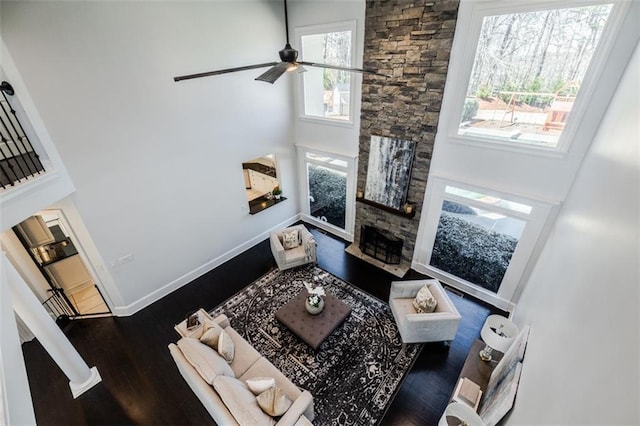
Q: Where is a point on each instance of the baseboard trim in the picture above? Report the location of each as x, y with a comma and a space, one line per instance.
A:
143, 302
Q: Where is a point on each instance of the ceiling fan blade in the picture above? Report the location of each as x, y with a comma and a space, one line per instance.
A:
224, 71
335, 67
274, 73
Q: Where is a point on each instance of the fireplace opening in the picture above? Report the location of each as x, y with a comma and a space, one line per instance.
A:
380, 245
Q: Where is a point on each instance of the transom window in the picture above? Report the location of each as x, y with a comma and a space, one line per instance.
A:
327, 94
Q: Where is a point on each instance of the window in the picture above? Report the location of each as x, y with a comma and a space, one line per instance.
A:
476, 243
528, 72
329, 180
479, 240
327, 94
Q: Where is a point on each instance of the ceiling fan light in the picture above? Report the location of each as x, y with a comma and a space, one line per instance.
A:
292, 67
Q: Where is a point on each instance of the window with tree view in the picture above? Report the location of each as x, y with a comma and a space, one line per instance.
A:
527, 71
327, 92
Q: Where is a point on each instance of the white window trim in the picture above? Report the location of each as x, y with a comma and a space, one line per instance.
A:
350, 210
463, 55
538, 224
322, 29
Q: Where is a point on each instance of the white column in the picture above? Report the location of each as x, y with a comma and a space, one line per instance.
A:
35, 316
15, 396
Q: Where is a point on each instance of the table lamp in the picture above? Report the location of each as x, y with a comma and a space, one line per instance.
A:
498, 333
462, 412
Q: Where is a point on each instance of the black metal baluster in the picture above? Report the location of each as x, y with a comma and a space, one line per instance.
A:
11, 167
24, 138
18, 138
11, 151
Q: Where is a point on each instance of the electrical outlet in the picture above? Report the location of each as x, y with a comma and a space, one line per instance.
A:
121, 260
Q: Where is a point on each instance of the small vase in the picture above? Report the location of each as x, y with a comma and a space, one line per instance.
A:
314, 310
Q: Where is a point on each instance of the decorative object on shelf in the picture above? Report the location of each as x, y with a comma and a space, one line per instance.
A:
277, 192
498, 333
467, 392
389, 171
314, 304
463, 413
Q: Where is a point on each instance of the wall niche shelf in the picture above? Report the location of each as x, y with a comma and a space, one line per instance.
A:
399, 212
263, 203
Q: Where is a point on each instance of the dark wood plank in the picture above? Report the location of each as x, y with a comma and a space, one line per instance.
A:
141, 384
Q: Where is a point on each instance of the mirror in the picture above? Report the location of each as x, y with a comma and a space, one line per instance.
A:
261, 183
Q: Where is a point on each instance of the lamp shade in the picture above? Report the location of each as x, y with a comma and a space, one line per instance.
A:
463, 413
498, 332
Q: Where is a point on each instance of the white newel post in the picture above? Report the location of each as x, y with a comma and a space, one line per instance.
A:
35, 316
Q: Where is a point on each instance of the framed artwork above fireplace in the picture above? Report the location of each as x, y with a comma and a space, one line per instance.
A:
389, 171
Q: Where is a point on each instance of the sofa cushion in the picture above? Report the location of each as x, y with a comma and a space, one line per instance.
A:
257, 385
206, 361
424, 302
295, 254
225, 346
274, 402
240, 402
290, 239
245, 354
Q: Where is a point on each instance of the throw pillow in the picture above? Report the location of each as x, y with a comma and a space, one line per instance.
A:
240, 402
257, 385
225, 346
425, 302
274, 402
290, 239
207, 362
211, 335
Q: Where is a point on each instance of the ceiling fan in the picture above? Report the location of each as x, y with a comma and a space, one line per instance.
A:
288, 62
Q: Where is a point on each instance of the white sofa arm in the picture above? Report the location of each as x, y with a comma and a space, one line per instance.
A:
302, 405
276, 248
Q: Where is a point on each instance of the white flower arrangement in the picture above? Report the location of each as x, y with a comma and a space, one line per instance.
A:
315, 294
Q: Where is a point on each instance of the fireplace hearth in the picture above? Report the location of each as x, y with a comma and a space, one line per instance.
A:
380, 245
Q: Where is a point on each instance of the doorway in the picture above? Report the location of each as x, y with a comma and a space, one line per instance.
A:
52, 246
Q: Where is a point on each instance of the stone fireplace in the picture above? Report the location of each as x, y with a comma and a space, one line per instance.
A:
411, 42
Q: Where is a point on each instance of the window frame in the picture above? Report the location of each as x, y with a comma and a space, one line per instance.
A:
463, 59
537, 225
351, 168
299, 32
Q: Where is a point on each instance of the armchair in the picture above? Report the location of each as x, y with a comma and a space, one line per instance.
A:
304, 253
440, 325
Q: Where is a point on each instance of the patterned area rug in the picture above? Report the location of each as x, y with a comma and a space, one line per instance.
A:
355, 373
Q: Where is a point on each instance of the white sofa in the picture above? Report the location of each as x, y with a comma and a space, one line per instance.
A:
289, 258
247, 363
414, 327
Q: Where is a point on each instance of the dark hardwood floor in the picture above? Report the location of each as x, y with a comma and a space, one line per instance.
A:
141, 384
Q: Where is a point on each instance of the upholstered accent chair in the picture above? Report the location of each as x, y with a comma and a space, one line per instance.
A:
293, 246
437, 326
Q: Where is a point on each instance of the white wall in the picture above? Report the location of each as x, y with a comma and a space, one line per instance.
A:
157, 164
581, 365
